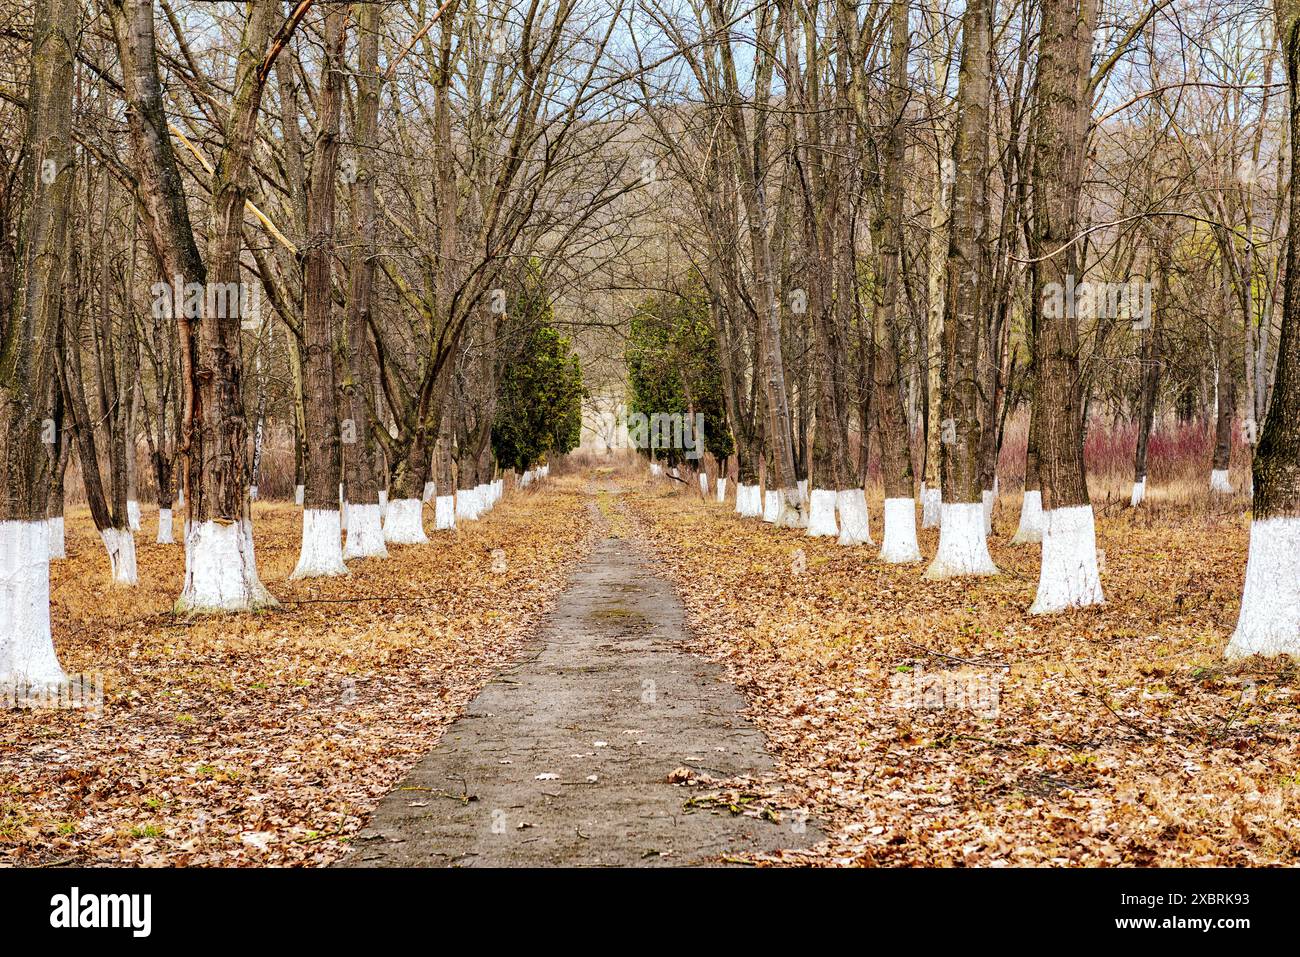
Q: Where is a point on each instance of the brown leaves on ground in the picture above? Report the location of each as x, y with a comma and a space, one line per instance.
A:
1118, 735
267, 738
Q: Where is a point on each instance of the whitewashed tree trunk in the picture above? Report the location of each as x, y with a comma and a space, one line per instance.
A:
821, 514
1069, 577
365, 538
27, 659
467, 504
1139, 493
404, 522
771, 505
321, 554
120, 545
963, 547
221, 569
58, 548
1269, 622
1030, 529
855, 520
1219, 483
444, 513
133, 514
165, 527
931, 506
722, 488
899, 545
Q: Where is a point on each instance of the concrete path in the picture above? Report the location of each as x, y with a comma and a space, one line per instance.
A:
565, 759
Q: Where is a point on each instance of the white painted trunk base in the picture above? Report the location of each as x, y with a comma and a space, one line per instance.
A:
58, 549
27, 659
855, 520
1139, 494
467, 504
899, 545
1030, 529
483, 493
722, 488
252, 493
383, 500
299, 494
789, 514
749, 501
988, 498
1219, 482
821, 513
120, 545
771, 505
133, 514
429, 491
1269, 622
1069, 577
963, 547
444, 513
365, 538
655, 470
221, 570
165, 527
704, 484
803, 489
404, 522
322, 544
931, 506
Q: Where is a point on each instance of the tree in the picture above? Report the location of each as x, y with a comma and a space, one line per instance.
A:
963, 547
221, 567
1269, 622
322, 533
27, 658
365, 532
674, 369
539, 387
1069, 577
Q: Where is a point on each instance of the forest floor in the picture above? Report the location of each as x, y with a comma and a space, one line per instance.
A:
938, 723
911, 722
267, 739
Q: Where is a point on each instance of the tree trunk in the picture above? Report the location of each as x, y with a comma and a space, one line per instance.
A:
322, 534
27, 658
1269, 623
1225, 391
1069, 576
365, 536
899, 543
963, 547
